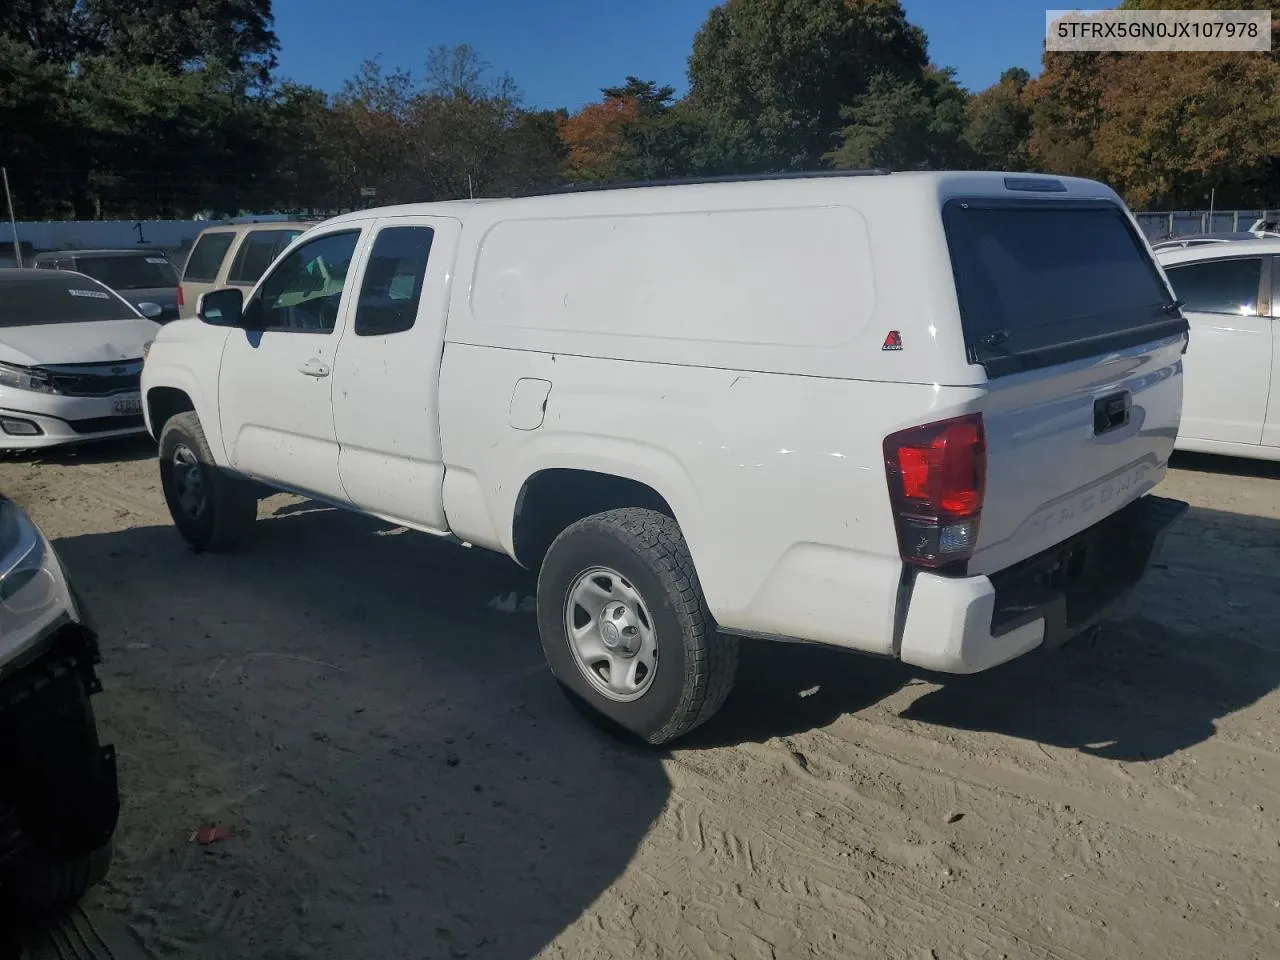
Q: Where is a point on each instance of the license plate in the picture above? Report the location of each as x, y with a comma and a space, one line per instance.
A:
129, 405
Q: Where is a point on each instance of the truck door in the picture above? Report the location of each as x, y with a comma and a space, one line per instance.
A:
386, 377
274, 388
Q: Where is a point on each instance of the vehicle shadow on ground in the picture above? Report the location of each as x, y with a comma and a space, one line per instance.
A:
1228, 466
399, 774
1155, 682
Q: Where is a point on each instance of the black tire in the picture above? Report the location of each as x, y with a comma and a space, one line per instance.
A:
697, 665
230, 504
44, 883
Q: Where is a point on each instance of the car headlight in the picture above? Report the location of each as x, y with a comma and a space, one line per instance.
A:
146, 348
25, 378
34, 594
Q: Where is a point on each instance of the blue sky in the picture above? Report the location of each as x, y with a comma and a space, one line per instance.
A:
560, 52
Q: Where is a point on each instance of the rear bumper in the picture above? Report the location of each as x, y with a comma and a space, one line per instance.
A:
969, 624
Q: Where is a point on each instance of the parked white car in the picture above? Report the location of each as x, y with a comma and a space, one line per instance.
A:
1230, 294
1202, 239
916, 415
70, 359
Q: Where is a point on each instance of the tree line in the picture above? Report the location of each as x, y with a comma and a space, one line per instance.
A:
139, 108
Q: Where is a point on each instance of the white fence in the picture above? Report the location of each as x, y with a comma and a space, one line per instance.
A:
171, 237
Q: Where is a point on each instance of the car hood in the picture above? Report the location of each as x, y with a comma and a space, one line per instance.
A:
100, 341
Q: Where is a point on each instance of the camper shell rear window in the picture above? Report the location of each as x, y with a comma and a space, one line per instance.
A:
1042, 282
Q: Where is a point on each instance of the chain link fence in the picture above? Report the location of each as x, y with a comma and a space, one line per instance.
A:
1158, 225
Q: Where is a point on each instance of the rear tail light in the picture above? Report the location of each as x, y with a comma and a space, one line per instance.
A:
181, 302
937, 477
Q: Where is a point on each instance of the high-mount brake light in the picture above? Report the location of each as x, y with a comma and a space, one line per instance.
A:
937, 476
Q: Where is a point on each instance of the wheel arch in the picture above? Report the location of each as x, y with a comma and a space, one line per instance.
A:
164, 403
553, 498
171, 389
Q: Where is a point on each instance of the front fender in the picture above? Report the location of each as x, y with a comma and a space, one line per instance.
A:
175, 377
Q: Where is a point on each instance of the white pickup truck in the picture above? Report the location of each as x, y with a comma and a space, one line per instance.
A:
914, 415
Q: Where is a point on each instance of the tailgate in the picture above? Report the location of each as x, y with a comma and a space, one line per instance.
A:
1067, 449
1081, 342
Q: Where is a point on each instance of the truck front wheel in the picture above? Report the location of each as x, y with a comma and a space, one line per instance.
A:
625, 627
212, 509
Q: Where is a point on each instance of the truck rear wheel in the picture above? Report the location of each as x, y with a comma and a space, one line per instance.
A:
625, 627
212, 509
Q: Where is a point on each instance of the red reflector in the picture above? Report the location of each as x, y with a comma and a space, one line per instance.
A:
181, 302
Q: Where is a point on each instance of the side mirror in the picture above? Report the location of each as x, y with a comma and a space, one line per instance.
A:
151, 311
221, 308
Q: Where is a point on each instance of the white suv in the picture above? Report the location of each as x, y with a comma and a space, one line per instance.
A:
915, 415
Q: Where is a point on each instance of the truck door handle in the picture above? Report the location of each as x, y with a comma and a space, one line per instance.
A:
314, 368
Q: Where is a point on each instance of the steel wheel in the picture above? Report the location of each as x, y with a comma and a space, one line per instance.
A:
611, 634
188, 479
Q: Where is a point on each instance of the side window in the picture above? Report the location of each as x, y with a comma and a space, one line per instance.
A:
206, 257
393, 281
1218, 286
259, 248
302, 294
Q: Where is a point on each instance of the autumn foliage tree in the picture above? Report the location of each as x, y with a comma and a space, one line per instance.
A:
596, 137
1163, 128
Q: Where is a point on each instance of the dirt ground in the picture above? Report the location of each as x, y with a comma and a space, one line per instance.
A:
401, 778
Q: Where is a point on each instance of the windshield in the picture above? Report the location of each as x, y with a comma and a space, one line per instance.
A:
1041, 279
58, 298
130, 272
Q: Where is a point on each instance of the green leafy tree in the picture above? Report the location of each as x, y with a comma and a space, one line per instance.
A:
132, 122
786, 69
54, 31
232, 35
906, 125
297, 133
462, 127
684, 141
651, 100
34, 141
998, 123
